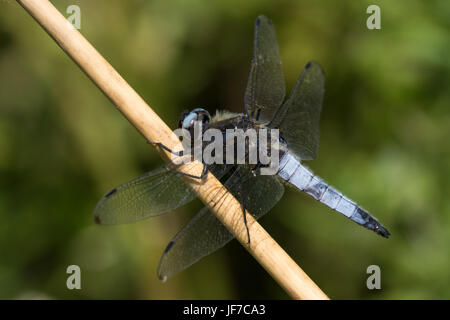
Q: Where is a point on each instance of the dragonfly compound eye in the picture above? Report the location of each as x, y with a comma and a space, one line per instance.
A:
180, 122
197, 114
189, 119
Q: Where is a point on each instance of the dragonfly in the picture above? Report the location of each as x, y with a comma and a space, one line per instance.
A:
297, 119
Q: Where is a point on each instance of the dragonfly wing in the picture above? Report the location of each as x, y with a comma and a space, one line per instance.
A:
205, 234
299, 116
152, 194
265, 85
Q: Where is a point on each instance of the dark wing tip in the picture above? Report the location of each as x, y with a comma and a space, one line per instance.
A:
97, 219
262, 19
315, 64
161, 275
111, 193
169, 246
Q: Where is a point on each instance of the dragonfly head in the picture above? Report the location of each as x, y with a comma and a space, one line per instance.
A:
188, 120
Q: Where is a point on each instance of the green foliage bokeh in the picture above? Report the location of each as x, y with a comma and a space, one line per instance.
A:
384, 131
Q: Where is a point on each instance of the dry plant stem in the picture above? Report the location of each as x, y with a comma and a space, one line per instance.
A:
262, 247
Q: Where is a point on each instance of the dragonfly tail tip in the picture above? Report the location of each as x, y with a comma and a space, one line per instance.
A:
382, 231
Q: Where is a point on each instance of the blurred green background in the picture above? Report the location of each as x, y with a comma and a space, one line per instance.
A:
385, 132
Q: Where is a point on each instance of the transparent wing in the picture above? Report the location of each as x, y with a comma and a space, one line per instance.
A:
265, 85
299, 116
152, 194
205, 234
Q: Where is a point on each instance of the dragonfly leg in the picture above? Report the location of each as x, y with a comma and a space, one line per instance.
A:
244, 213
245, 222
201, 177
257, 166
159, 144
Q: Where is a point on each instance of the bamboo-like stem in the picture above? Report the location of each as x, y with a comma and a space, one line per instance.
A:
262, 247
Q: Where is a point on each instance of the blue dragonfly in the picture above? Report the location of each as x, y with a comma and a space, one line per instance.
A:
297, 118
